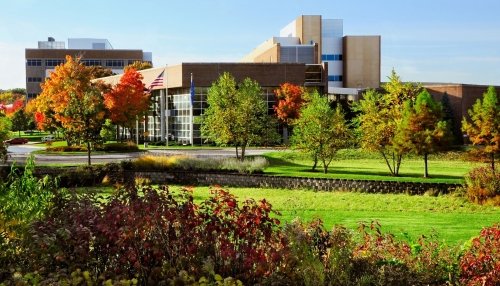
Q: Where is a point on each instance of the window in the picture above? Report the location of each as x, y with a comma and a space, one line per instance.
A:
34, 62
53, 62
331, 57
92, 62
114, 63
34, 79
335, 78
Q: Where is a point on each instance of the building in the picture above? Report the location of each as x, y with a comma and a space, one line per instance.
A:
461, 97
310, 51
41, 62
173, 115
353, 61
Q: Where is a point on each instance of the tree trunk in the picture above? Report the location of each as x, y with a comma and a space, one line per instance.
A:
426, 172
88, 153
243, 152
388, 163
493, 162
315, 158
237, 155
285, 135
325, 167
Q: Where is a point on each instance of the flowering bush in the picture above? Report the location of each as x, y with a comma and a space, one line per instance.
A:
480, 265
483, 186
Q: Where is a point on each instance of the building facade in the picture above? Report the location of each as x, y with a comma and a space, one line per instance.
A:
353, 61
174, 117
42, 61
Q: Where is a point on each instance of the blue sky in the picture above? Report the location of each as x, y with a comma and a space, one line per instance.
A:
424, 41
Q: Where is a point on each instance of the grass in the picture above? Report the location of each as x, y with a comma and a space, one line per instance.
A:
453, 219
368, 166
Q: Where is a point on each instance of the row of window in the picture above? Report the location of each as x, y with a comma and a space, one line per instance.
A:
335, 78
87, 62
331, 57
34, 79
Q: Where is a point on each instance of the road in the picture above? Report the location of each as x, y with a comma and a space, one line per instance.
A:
19, 153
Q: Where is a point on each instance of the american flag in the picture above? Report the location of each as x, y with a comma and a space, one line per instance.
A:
157, 82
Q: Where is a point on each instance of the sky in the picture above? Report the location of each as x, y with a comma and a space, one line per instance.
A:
423, 41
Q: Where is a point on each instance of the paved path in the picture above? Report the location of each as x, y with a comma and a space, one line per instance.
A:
19, 153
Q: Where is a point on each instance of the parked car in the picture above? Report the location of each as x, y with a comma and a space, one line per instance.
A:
14, 141
48, 138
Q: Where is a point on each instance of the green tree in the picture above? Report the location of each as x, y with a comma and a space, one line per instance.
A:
20, 121
423, 130
108, 131
5, 126
379, 117
484, 127
236, 115
320, 131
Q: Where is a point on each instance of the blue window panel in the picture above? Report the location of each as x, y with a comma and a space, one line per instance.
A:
335, 57
334, 78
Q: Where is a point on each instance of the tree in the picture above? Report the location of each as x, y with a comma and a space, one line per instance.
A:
236, 115
108, 131
138, 65
4, 135
379, 117
127, 101
73, 101
20, 121
320, 131
289, 100
423, 130
100, 71
484, 127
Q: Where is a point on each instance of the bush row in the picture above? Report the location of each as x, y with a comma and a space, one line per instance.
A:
109, 147
187, 163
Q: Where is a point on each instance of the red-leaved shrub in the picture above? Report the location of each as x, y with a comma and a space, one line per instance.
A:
483, 185
480, 265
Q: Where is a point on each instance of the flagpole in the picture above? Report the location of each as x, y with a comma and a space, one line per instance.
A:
191, 97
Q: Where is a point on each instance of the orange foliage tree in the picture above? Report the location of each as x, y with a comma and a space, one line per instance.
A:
71, 100
128, 100
289, 100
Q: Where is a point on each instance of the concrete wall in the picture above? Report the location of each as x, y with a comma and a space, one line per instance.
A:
362, 61
271, 55
309, 30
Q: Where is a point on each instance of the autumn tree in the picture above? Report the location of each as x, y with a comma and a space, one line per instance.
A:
128, 100
100, 71
236, 115
423, 130
289, 100
379, 117
483, 128
138, 65
320, 131
72, 100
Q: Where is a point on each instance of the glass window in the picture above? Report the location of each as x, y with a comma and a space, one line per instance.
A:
114, 63
53, 62
34, 62
91, 62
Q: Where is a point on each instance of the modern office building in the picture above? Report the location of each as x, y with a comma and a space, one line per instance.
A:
173, 115
353, 61
41, 62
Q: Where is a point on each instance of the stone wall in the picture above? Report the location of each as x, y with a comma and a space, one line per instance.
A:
264, 181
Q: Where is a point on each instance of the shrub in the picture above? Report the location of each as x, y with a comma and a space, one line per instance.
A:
186, 163
480, 265
93, 175
120, 147
483, 185
153, 234
74, 148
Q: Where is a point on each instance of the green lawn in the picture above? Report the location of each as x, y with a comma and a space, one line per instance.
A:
453, 219
368, 166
